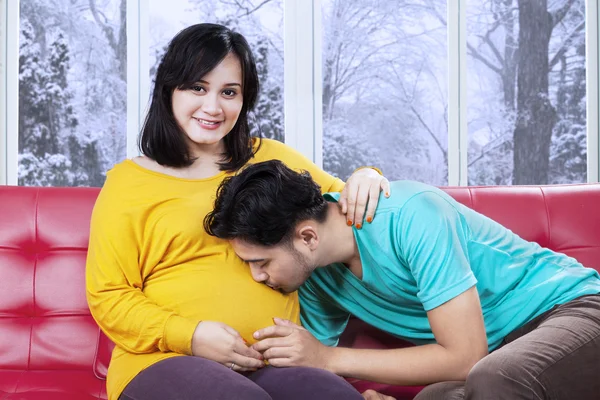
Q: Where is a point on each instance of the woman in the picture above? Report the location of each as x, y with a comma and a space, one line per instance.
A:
179, 304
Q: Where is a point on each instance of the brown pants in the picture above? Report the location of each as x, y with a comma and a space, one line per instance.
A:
556, 356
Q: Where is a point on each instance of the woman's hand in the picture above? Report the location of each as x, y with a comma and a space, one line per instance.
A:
362, 189
221, 343
373, 395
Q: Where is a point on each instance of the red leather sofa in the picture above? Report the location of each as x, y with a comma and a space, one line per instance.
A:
51, 348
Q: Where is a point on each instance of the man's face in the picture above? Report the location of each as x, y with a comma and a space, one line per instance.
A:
281, 267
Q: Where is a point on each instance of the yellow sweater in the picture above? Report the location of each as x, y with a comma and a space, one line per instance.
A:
153, 273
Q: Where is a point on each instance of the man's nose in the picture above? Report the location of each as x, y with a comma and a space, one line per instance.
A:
258, 275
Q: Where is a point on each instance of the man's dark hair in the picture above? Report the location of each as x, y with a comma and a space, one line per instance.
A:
194, 52
264, 203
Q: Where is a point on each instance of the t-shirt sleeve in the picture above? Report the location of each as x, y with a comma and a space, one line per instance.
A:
322, 318
114, 286
433, 240
274, 150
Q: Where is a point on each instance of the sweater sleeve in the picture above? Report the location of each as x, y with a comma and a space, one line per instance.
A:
297, 161
114, 285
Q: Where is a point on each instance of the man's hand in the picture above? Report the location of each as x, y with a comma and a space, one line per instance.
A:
373, 395
286, 344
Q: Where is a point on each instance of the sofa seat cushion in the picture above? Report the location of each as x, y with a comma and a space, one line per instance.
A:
51, 385
360, 335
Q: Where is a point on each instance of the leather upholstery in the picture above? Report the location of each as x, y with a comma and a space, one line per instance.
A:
50, 347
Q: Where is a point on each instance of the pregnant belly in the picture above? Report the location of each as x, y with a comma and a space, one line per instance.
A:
226, 294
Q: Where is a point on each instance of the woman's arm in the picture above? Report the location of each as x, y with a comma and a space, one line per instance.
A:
114, 284
114, 287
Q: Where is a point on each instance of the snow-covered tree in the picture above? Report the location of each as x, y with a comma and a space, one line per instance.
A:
72, 91
533, 54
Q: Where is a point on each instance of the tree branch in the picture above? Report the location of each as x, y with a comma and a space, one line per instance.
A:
473, 52
486, 152
416, 113
487, 39
249, 10
565, 45
560, 14
105, 28
428, 129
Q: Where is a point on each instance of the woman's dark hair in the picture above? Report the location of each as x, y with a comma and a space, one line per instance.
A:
264, 203
194, 52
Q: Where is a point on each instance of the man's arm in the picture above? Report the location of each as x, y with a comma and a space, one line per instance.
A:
432, 238
461, 342
457, 326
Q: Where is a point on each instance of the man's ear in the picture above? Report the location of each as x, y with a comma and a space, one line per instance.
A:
308, 235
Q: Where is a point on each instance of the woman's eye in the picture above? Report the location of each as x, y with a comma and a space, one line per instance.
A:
197, 88
229, 92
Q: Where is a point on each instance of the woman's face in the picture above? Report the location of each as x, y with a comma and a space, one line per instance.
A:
210, 108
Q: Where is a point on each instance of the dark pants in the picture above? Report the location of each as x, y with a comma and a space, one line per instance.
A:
556, 356
196, 378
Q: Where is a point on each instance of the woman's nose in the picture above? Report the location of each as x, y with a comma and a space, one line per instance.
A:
211, 104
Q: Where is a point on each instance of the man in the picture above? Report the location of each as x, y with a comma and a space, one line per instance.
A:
427, 269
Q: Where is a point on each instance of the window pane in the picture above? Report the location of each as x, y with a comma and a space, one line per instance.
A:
385, 88
526, 89
261, 23
72, 91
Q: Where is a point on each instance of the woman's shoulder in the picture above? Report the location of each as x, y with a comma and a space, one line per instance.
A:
126, 182
269, 149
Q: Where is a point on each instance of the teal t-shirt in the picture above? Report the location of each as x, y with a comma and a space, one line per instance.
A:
424, 248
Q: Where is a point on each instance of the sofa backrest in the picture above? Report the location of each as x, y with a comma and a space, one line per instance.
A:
44, 319
563, 218
45, 322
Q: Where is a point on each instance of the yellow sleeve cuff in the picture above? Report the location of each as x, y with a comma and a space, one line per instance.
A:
178, 335
369, 166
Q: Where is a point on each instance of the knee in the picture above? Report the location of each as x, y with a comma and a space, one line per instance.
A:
451, 390
328, 384
491, 376
309, 374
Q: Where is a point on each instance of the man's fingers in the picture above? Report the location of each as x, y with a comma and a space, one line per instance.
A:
246, 362
273, 331
280, 362
369, 394
373, 395
269, 343
246, 351
246, 357
278, 352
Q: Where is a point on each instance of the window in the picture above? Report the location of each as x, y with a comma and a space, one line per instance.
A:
440, 91
261, 23
384, 88
72, 91
526, 92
